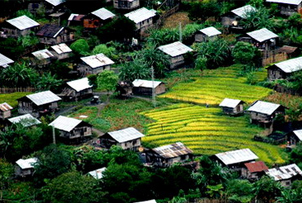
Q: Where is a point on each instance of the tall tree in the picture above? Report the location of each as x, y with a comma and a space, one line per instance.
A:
107, 80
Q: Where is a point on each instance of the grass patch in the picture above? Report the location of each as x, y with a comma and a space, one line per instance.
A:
173, 20
11, 98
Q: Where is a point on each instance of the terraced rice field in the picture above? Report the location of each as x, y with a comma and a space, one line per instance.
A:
207, 131
215, 85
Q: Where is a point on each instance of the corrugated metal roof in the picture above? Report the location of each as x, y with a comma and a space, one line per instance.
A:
148, 201
172, 150
236, 156
75, 17
25, 120
232, 103
65, 123
80, 84
264, 107
42, 54
140, 14
242, 11
45, 97
210, 31
175, 49
4, 61
145, 83
126, 134
256, 166
98, 60
61, 48
103, 13
262, 35
284, 172
27, 163
50, 30
292, 2
5, 107
98, 173
55, 2
298, 133
23, 22
291, 65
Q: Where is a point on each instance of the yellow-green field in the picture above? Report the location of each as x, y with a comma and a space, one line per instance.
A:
207, 131
11, 98
214, 85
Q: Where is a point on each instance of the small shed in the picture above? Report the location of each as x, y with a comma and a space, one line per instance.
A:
232, 106
285, 174
128, 138
176, 51
98, 173
38, 104
49, 6
42, 58
294, 137
287, 7
206, 34
263, 39
51, 34
75, 19
145, 87
142, 17
61, 51
5, 111
168, 155
254, 170
77, 90
19, 26
290, 51
236, 159
126, 4
5, 61
25, 120
97, 18
25, 167
95, 64
284, 69
71, 129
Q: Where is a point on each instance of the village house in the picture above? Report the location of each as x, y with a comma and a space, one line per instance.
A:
25, 167
5, 111
97, 18
94, 64
294, 137
147, 201
290, 51
232, 106
38, 104
25, 120
46, 6
75, 19
236, 159
176, 51
142, 17
285, 174
232, 19
61, 51
125, 4
19, 26
5, 61
168, 155
287, 7
253, 171
98, 173
128, 138
263, 39
284, 69
77, 90
145, 87
71, 129
51, 34
206, 34
42, 58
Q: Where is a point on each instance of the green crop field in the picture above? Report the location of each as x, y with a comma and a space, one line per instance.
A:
214, 85
207, 131
11, 98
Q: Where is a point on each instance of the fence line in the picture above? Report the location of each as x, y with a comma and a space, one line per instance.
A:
4, 90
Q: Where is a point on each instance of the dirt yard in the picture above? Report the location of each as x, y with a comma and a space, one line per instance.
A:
173, 20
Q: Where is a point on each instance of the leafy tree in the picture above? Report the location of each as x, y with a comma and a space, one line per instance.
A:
6, 172
49, 82
108, 51
239, 190
60, 69
258, 19
162, 37
80, 47
72, 187
203, 10
11, 48
24, 12
215, 191
244, 52
267, 189
289, 195
135, 69
296, 154
107, 80
28, 40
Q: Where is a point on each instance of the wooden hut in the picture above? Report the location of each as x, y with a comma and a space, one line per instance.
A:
51, 34
75, 19
176, 52
61, 51
144, 87
232, 106
49, 6
126, 4
38, 104
206, 34
142, 17
294, 137
77, 90
25, 167
42, 58
284, 69
263, 39
5, 61
97, 18
287, 7
5, 111
253, 170
128, 138
94, 64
